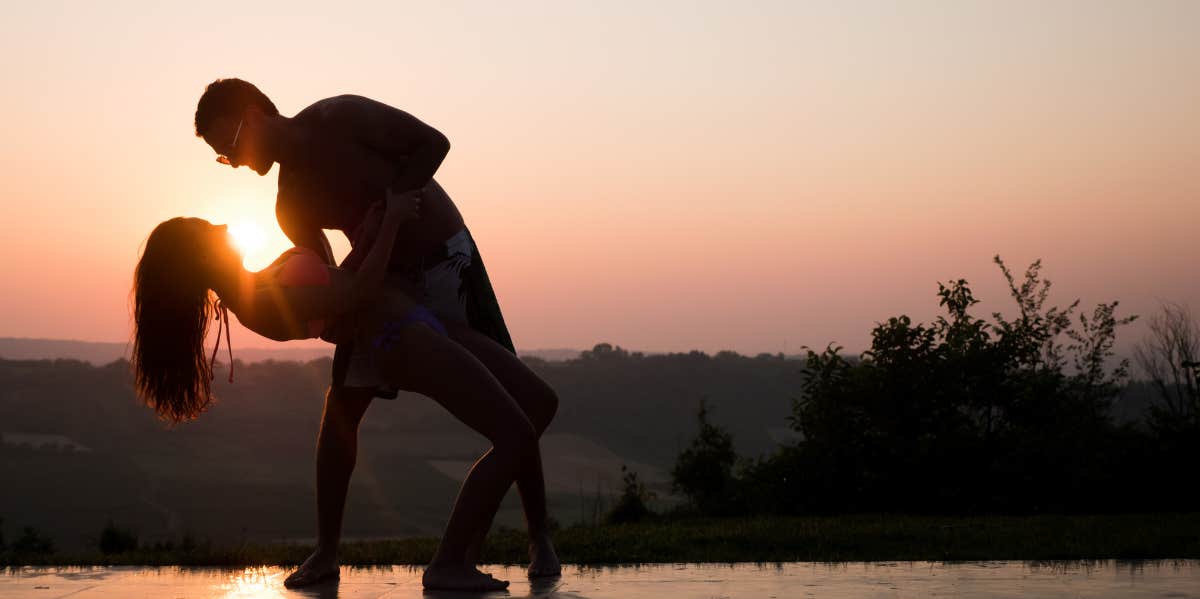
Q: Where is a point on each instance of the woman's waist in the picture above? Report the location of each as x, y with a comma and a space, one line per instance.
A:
393, 305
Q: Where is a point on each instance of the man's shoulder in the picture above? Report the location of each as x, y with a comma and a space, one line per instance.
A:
337, 107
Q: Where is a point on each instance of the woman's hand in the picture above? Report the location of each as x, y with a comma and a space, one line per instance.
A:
403, 206
399, 207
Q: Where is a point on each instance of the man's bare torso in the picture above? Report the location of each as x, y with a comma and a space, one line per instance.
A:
336, 179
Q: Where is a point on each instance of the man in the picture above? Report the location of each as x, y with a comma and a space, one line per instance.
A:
336, 159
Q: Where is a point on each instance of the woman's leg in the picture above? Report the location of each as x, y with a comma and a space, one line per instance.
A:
428, 363
458, 291
539, 402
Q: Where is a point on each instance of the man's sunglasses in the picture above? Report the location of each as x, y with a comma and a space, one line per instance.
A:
224, 159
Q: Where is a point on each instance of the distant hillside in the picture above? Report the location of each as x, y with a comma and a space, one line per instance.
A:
101, 353
77, 449
551, 355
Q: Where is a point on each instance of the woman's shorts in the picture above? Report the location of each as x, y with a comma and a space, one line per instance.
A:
456, 289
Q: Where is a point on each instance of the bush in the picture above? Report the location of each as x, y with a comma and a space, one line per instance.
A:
703, 473
963, 415
631, 505
114, 540
31, 542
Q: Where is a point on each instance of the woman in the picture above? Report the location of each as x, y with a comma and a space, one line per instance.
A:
298, 296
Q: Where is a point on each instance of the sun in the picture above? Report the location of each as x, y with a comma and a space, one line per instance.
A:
248, 237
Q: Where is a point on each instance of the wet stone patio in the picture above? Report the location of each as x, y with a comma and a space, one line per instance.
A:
872, 579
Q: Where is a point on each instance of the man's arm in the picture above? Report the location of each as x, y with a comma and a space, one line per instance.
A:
416, 149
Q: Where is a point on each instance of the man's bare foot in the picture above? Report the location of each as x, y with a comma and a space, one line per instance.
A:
457, 577
319, 567
473, 552
543, 561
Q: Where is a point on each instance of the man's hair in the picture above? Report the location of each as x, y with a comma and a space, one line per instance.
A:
229, 98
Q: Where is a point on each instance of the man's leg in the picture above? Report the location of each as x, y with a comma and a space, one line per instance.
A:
337, 450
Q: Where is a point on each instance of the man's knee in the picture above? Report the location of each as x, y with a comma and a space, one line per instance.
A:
347, 405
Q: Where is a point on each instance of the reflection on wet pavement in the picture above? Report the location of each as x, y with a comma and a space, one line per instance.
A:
874, 579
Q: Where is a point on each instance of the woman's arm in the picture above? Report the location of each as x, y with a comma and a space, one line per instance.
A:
369, 279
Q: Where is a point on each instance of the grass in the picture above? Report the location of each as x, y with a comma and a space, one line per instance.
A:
881, 537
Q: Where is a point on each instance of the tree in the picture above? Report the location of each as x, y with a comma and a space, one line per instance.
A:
703, 473
1168, 357
604, 351
32, 542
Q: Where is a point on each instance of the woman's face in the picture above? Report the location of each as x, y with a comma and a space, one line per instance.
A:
215, 244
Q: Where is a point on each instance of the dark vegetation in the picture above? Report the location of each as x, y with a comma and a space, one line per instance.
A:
973, 416
630, 506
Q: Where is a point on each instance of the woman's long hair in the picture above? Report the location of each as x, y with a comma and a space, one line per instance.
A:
171, 314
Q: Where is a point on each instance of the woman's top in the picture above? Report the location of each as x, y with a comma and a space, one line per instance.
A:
293, 298
285, 303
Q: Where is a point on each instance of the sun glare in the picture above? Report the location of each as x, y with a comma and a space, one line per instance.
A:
248, 238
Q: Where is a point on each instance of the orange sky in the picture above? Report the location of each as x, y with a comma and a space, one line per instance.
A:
668, 176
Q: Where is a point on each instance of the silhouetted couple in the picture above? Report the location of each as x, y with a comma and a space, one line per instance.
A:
411, 308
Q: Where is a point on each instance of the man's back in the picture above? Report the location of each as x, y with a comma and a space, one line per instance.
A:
340, 169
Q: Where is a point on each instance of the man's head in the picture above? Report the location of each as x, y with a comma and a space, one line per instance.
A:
230, 117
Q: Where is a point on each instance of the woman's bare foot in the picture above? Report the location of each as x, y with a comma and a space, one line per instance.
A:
457, 577
543, 561
320, 567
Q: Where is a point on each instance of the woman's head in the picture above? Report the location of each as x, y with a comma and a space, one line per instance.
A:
171, 312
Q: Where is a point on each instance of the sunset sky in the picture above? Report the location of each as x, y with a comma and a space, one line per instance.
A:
665, 176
